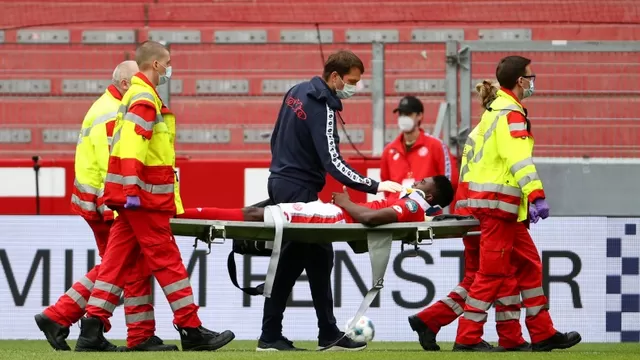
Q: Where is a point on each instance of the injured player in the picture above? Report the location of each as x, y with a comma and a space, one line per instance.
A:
423, 198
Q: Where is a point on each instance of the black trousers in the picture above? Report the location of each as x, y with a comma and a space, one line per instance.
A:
316, 259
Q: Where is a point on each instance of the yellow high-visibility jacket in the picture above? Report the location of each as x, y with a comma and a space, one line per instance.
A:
142, 160
497, 169
92, 157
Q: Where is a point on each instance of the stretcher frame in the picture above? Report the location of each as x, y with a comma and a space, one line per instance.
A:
378, 239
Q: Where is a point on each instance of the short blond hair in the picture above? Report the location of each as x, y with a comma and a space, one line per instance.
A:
148, 52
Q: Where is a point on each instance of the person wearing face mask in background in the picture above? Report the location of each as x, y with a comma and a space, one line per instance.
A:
504, 192
415, 154
304, 148
142, 186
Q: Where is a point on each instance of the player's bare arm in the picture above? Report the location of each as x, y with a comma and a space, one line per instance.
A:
364, 215
254, 214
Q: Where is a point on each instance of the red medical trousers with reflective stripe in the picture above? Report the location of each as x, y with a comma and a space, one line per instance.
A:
70, 307
529, 276
145, 232
496, 282
446, 310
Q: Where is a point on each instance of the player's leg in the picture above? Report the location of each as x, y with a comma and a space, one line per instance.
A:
214, 213
138, 310
428, 322
119, 256
161, 253
496, 242
544, 337
55, 320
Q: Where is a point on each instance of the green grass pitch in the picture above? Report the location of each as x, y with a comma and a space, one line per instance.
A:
40, 350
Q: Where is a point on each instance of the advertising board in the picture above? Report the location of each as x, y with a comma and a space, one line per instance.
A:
590, 276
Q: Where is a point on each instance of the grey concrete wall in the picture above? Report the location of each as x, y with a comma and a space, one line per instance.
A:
596, 187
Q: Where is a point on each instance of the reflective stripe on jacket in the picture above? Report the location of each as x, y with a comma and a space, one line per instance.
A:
92, 157
497, 169
142, 157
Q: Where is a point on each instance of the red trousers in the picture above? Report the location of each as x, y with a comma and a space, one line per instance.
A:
509, 266
143, 236
446, 310
70, 307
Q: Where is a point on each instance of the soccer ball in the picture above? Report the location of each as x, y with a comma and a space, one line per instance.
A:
363, 330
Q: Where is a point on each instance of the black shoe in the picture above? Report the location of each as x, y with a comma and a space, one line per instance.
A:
55, 333
482, 346
202, 339
282, 344
342, 343
522, 347
426, 337
558, 341
484, 343
153, 343
92, 336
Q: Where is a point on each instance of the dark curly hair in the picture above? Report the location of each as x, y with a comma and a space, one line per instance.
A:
443, 195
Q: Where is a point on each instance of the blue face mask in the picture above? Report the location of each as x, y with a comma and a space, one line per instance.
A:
167, 75
528, 92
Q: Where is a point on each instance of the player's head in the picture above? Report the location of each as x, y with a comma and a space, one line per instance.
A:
437, 190
410, 111
514, 73
154, 60
487, 92
122, 75
342, 71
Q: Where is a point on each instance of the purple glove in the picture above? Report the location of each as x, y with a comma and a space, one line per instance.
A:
542, 208
533, 214
132, 202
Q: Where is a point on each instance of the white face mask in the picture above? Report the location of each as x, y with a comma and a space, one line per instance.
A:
347, 91
405, 123
167, 75
528, 92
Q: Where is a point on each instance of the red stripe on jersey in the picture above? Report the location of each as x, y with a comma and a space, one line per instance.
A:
300, 218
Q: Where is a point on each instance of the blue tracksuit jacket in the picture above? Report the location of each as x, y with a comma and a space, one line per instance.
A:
305, 141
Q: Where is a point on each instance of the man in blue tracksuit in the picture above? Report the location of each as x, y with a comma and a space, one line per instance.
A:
304, 147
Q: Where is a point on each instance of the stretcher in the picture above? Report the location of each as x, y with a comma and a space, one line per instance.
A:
374, 240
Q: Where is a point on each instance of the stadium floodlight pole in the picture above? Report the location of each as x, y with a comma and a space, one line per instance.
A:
377, 98
36, 169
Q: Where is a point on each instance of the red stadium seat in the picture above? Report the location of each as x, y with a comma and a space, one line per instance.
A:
561, 126
593, 110
229, 110
546, 84
64, 58
388, 12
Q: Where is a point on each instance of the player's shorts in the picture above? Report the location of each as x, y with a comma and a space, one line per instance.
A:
315, 212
